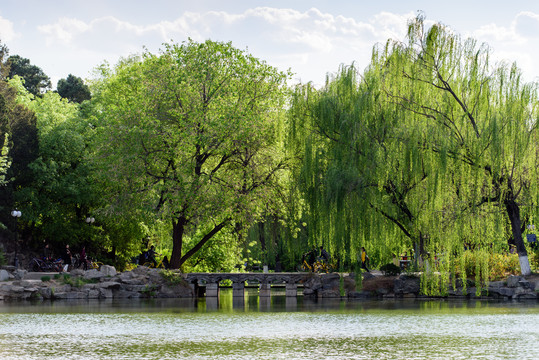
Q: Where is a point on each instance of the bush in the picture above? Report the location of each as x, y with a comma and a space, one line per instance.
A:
173, 277
499, 265
534, 257
45, 278
502, 266
390, 269
77, 281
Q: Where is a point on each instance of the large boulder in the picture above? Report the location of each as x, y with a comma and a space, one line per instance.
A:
513, 281
176, 291
330, 286
4, 275
107, 270
349, 283
20, 274
406, 285
93, 274
311, 285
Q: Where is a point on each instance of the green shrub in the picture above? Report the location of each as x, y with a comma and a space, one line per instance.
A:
534, 258
2, 258
390, 269
149, 291
483, 265
77, 281
45, 278
503, 265
173, 277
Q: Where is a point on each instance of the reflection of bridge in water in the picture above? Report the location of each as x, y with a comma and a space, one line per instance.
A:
208, 283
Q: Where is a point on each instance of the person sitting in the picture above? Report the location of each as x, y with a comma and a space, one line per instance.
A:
150, 256
395, 260
324, 255
47, 253
404, 261
311, 257
166, 263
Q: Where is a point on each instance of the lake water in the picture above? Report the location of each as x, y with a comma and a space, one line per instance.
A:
276, 328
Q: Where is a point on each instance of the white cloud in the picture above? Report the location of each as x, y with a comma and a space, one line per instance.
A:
526, 24
493, 33
516, 42
312, 29
389, 25
7, 31
309, 42
524, 27
64, 30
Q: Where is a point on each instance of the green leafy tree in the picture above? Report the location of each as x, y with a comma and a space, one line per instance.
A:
430, 141
35, 80
18, 136
61, 186
73, 89
19, 123
480, 120
191, 135
364, 183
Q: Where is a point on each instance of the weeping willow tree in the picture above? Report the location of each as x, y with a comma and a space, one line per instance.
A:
363, 175
431, 146
479, 119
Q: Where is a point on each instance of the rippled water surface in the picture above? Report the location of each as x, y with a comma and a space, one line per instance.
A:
279, 328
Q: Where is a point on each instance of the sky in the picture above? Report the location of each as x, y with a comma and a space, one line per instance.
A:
311, 38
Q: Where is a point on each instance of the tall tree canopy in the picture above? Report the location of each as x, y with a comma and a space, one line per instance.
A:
432, 141
480, 119
363, 181
35, 80
18, 141
73, 89
61, 186
192, 134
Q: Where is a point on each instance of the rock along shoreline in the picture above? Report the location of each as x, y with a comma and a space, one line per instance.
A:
143, 282
105, 283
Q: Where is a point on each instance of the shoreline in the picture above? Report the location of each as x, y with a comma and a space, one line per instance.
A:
143, 282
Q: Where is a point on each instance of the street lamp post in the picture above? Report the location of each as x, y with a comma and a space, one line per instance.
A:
16, 214
89, 220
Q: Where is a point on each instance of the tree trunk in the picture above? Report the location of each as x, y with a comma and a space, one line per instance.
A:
201, 243
261, 235
513, 212
178, 228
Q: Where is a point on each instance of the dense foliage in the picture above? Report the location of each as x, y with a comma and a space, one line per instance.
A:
74, 89
430, 149
191, 137
204, 151
35, 80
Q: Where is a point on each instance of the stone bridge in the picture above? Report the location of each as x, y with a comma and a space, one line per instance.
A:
210, 281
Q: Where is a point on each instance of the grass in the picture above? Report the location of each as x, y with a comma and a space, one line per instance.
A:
172, 278
76, 281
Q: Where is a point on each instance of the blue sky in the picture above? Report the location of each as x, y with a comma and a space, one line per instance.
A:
312, 38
